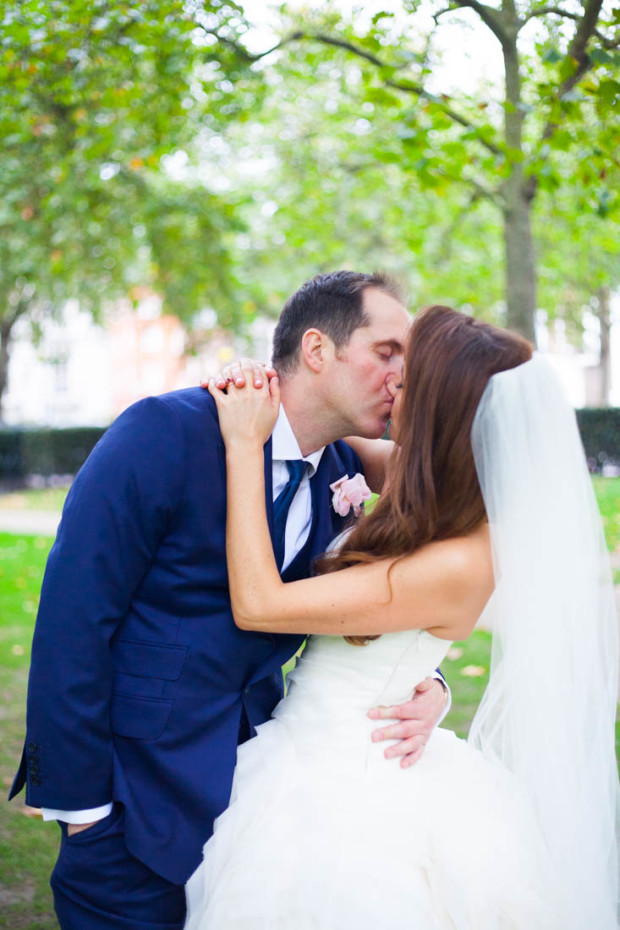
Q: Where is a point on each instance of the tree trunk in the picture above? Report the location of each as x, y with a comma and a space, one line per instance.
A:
518, 193
604, 316
520, 263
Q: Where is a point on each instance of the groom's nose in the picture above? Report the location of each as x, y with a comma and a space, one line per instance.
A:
397, 363
390, 383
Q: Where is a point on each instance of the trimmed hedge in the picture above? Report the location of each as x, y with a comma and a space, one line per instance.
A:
45, 452
48, 452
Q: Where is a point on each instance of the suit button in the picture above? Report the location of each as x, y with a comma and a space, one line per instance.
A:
33, 768
32, 747
35, 780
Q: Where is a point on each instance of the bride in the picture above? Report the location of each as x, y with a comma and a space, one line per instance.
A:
488, 511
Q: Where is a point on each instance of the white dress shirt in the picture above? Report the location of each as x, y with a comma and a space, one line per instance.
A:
286, 448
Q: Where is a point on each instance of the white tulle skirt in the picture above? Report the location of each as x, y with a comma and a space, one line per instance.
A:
314, 839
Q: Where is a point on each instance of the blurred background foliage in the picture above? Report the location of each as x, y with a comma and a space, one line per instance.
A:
221, 153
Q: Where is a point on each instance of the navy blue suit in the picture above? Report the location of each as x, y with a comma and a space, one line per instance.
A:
140, 681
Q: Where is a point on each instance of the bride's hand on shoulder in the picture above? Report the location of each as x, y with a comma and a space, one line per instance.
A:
247, 413
236, 373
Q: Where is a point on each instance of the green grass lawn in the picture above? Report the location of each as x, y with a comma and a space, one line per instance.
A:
607, 492
34, 499
28, 846
608, 495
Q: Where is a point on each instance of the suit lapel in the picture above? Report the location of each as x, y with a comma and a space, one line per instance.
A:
325, 521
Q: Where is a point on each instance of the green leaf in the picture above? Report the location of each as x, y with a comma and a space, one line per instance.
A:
600, 56
380, 15
608, 92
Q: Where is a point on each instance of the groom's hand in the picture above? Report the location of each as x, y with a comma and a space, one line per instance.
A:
417, 719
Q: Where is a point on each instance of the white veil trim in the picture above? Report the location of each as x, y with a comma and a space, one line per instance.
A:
549, 710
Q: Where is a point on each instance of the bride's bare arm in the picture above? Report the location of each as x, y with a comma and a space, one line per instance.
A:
442, 587
375, 455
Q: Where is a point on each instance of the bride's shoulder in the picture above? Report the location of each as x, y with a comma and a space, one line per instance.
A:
458, 580
467, 556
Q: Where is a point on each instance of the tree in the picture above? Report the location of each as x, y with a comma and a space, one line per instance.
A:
559, 90
320, 187
93, 97
580, 262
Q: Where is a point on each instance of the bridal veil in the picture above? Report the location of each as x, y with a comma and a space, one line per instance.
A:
548, 712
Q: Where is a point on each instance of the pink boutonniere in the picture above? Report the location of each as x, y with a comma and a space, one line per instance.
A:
349, 492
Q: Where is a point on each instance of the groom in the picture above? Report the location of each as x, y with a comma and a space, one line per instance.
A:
141, 685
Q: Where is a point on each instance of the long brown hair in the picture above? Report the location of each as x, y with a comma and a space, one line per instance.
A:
432, 487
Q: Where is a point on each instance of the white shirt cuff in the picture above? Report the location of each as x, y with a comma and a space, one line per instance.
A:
449, 696
87, 816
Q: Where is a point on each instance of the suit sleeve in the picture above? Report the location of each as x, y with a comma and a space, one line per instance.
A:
117, 512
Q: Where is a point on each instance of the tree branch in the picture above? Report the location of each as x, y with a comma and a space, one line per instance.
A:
554, 10
489, 16
558, 11
405, 86
243, 52
607, 44
480, 191
447, 9
577, 48
576, 52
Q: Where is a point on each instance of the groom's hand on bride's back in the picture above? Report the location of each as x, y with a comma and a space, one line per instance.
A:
415, 721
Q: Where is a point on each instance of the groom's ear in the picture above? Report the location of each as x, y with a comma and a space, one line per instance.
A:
316, 349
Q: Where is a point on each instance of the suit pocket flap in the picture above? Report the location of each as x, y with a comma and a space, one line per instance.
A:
138, 717
148, 660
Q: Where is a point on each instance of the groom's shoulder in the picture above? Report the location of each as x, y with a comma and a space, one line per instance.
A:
191, 404
190, 407
174, 421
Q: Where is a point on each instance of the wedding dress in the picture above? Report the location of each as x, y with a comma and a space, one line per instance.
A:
324, 832
512, 830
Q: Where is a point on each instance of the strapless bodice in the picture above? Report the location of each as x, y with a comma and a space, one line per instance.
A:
335, 684
353, 678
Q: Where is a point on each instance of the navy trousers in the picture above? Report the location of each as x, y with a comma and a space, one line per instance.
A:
99, 885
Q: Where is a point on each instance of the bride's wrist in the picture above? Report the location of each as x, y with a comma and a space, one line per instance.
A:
245, 446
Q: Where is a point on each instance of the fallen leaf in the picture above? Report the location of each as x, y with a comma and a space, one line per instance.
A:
473, 671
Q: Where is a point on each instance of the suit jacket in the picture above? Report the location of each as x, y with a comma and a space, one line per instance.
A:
140, 681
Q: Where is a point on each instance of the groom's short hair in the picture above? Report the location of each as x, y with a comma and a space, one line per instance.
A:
332, 303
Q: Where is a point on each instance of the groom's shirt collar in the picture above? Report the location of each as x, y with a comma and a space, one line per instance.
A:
286, 448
